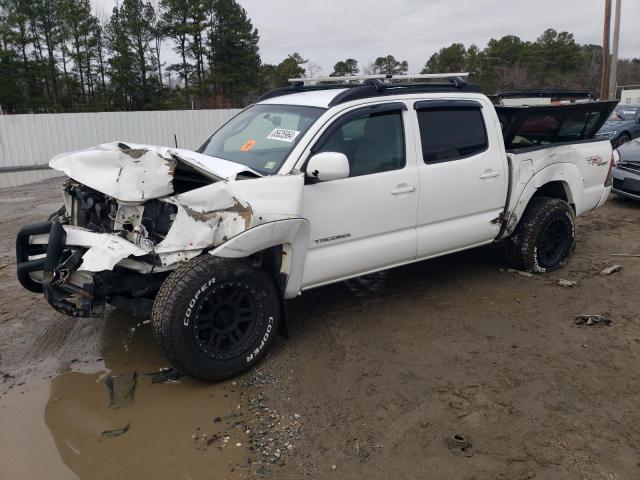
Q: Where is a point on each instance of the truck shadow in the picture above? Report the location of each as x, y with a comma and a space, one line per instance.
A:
401, 282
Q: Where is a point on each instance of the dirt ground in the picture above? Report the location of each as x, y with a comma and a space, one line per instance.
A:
379, 371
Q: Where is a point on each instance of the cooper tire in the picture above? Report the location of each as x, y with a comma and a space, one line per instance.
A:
544, 238
215, 318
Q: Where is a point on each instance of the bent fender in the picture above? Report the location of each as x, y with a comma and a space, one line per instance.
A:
293, 233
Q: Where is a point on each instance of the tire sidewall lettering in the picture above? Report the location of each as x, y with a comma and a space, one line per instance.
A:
192, 303
572, 223
265, 339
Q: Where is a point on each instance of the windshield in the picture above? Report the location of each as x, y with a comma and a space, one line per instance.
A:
621, 114
262, 136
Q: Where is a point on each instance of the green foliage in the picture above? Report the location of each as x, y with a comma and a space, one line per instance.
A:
275, 76
10, 92
389, 65
235, 60
447, 60
175, 26
345, 68
55, 55
554, 60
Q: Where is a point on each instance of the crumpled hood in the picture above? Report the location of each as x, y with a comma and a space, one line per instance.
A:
135, 172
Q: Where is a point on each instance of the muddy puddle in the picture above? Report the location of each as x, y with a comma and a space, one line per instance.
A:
120, 416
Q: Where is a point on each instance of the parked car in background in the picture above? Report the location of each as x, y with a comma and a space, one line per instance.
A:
626, 174
622, 126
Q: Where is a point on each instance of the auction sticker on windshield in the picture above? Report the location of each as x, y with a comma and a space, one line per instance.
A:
283, 135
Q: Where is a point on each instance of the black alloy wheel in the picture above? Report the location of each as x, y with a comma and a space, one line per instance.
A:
225, 319
554, 242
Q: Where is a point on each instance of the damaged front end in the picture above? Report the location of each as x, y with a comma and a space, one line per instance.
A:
70, 290
131, 214
84, 256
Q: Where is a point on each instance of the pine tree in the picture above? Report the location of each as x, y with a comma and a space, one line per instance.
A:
78, 17
233, 44
345, 68
121, 70
137, 23
175, 19
448, 59
390, 66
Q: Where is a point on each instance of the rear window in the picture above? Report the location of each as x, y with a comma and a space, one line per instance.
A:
449, 134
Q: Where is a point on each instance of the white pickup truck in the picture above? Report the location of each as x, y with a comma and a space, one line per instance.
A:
313, 184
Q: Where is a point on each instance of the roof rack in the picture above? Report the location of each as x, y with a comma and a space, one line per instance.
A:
389, 77
375, 85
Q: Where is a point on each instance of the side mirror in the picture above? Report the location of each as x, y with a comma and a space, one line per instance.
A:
327, 166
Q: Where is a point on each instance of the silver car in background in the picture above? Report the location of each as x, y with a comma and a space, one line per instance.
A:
626, 174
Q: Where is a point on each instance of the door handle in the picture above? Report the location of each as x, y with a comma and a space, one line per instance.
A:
489, 174
400, 190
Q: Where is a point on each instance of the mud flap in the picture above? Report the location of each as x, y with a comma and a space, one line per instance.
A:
283, 328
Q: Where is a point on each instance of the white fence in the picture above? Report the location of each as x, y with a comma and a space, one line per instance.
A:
27, 142
630, 97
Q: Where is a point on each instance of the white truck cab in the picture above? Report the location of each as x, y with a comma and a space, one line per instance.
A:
313, 184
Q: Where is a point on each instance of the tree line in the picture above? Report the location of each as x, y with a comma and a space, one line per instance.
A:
57, 55
554, 60
60, 56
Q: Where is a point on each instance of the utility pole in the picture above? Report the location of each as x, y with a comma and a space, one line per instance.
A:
613, 82
604, 81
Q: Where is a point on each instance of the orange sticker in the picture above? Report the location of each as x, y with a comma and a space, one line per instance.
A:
247, 146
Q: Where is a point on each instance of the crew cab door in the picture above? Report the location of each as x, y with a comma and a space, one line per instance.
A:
462, 169
367, 221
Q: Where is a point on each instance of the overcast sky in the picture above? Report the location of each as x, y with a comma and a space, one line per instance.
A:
325, 31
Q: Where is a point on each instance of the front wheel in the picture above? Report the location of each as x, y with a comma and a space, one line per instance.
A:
544, 238
214, 318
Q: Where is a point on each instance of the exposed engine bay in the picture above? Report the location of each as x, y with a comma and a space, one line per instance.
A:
143, 224
68, 288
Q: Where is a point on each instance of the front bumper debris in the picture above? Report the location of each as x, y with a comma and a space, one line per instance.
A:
51, 269
51, 259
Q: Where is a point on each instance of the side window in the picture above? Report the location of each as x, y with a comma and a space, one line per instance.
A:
451, 133
373, 142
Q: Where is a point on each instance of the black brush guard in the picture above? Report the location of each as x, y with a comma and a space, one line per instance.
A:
24, 250
56, 266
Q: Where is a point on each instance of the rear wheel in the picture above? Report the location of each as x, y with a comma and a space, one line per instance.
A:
545, 236
215, 318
